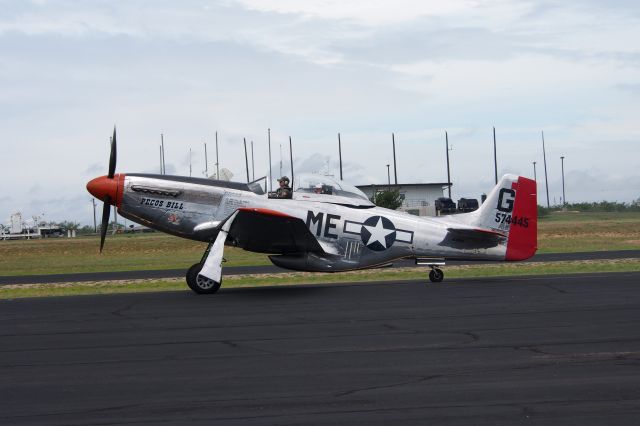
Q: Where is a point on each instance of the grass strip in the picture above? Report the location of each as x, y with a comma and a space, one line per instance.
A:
557, 233
258, 280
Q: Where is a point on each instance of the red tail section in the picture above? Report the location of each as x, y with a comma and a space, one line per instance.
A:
523, 233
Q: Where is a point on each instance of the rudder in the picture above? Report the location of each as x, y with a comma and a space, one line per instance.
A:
511, 208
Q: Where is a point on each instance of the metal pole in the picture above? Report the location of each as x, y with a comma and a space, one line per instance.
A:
340, 154
270, 175
564, 199
495, 156
190, 168
246, 158
395, 170
535, 177
280, 159
164, 170
115, 220
388, 178
446, 136
217, 159
253, 166
206, 162
160, 158
291, 159
95, 223
546, 180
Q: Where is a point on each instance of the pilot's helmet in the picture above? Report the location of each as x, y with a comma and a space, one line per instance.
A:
284, 179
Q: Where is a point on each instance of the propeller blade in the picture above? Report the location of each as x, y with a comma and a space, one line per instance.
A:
106, 211
112, 157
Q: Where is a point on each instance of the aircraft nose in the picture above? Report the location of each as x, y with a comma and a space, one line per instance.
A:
105, 189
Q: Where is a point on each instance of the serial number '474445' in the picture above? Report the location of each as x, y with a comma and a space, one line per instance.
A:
515, 220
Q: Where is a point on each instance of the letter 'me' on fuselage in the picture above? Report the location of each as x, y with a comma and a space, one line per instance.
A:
313, 219
318, 219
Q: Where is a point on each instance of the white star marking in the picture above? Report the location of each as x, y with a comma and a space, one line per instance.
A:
378, 233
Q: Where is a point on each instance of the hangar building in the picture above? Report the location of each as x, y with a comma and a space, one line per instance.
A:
418, 198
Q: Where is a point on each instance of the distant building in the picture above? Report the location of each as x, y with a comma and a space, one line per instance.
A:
417, 198
20, 229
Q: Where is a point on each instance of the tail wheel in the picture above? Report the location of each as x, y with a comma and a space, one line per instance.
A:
436, 275
199, 283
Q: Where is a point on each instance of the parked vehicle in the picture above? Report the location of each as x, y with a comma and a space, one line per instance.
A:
445, 205
467, 205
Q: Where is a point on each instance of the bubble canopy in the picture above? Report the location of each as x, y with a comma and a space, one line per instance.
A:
309, 183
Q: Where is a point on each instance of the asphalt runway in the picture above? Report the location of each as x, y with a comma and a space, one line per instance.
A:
529, 350
270, 269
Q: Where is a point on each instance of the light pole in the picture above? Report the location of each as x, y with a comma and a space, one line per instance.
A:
546, 179
446, 138
495, 155
564, 200
388, 177
95, 224
395, 167
535, 177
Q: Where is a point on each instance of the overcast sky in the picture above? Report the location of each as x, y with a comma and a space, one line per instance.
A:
70, 70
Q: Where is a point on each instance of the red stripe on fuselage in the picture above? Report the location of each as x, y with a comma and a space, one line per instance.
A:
267, 212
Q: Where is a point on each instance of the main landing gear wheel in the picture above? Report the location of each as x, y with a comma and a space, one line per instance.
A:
436, 275
199, 283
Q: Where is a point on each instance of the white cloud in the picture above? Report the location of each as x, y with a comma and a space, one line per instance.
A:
70, 70
365, 12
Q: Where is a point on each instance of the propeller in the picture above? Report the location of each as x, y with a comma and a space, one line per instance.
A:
112, 157
106, 209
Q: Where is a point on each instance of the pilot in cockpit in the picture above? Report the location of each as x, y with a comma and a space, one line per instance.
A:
284, 191
318, 189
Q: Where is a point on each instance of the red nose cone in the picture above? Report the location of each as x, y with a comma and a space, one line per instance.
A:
107, 190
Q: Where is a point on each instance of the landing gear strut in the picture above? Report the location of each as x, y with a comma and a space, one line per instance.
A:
199, 283
205, 277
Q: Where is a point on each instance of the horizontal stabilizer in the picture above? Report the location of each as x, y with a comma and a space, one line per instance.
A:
477, 234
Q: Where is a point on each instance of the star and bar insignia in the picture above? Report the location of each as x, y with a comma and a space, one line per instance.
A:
378, 233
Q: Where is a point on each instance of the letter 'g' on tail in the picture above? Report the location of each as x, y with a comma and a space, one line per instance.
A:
511, 208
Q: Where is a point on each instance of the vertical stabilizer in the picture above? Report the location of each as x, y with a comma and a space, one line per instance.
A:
511, 209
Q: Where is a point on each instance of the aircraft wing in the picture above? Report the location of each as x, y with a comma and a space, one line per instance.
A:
270, 231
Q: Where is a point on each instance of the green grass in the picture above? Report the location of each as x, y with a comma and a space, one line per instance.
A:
390, 274
121, 253
558, 232
598, 231
575, 216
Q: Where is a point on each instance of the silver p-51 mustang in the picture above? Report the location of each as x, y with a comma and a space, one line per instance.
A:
335, 229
